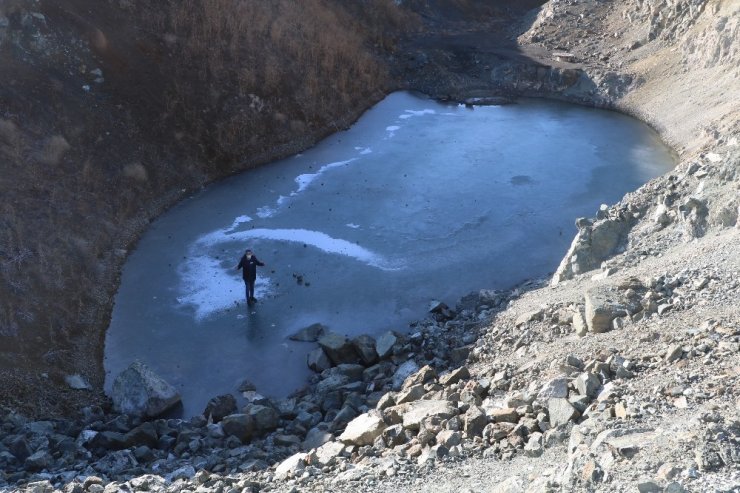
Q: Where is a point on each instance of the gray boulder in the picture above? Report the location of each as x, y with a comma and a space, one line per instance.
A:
219, 407
38, 461
403, 372
316, 437
594, 243
474, 420
363, 430
318, 361
602, 307
138, 391
239, 425
588, 384
561, 411
386, 344
419, 410
265, 418
312, 333
365, 348
338, 348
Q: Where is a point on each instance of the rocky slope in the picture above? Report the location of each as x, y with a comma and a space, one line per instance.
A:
620, 373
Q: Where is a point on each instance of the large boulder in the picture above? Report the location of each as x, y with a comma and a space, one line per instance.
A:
338, 348
387, 343
365, 348
138, 391
561, 411
419, 410
265, 418
219, 407
594, 243
403, 372
312, 333
363, 430
318, 361
239, 425
602, 307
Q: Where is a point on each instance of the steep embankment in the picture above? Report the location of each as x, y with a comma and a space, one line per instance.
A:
111, 111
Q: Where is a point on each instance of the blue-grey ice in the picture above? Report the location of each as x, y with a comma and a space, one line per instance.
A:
361, 231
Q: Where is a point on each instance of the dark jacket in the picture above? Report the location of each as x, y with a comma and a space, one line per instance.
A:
249, 267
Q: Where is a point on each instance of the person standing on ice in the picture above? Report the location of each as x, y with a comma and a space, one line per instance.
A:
248, 263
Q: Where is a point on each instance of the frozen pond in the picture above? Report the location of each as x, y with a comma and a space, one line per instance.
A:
417, 201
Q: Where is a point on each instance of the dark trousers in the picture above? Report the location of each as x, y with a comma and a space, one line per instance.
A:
249, 286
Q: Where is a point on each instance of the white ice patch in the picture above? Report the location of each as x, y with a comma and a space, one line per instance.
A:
364, 150
352, 225
240, 220
392, 130
305, 180
209, 288
410, 113
265, 212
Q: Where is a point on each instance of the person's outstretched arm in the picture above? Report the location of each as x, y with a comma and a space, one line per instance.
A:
256, 261
241, 261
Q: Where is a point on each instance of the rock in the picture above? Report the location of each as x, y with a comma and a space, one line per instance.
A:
185, 472
579, 323
474, 420
240, 426
440, 309
19, 447
363, 430
413, 393
291, 466
592, 472
419, 410
649, 487
338, 348
449, 438
707, 457
664, 308
455, 376
674, 353
505, 414
312, 333
286, 440
144, 434
246, 385
138, 391
315, 438
594, 243
555, 388
365, 347
674, 487
318, 361
265, 417
386, 344
534, 446
38, 461
668, 471
395, 435
561, 411
403, 372
77, 382
601, 309
424, 375
327, 454
588, 384
219, 407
